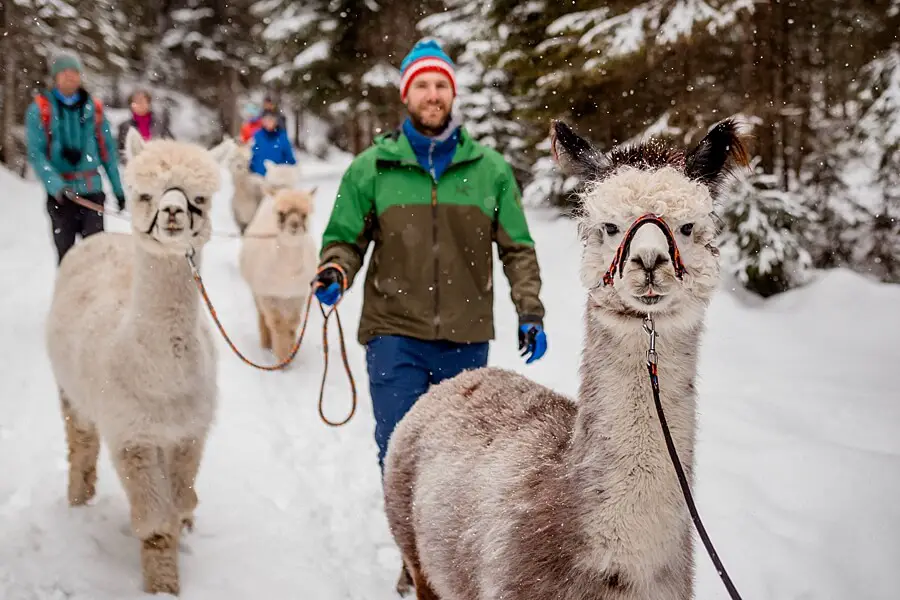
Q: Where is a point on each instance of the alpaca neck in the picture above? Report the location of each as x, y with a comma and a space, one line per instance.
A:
164, 296
633, 510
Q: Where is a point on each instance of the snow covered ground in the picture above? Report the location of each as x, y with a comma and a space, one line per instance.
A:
798, 459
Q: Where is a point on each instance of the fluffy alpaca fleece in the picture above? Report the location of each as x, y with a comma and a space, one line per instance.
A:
279, 177
250, 188
132, 356
497, 487
278, 260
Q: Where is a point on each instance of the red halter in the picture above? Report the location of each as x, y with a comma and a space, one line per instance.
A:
622, 253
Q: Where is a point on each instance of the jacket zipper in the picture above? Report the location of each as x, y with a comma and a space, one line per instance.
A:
434, 249
434, 245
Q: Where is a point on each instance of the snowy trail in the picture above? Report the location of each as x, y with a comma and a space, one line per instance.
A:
798, 457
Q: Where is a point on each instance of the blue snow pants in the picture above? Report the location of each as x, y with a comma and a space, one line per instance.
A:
402, 368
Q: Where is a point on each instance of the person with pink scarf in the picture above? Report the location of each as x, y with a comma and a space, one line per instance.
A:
149, 125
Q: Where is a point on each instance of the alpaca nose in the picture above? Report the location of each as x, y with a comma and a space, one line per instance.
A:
172, 212
650, 260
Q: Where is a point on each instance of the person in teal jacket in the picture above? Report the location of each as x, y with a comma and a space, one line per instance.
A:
68, 140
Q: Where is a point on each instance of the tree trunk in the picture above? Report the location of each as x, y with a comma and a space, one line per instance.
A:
10, 89
784, 76
229, 88
767, 91
7, 123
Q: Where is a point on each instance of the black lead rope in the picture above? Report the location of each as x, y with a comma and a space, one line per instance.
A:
673, 454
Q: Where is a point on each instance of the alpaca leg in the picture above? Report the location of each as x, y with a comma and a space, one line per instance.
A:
142, 470
265, 335
287, 324
423, 589
184, 464
274, 314
282, 345
404, 582
84, 447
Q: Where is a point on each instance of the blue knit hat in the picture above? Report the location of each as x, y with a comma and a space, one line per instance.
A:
426, 55
64, 61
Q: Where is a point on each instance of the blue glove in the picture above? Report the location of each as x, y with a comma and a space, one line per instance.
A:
532, 340
331, 286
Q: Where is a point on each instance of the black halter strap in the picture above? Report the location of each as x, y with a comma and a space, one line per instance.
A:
192, 210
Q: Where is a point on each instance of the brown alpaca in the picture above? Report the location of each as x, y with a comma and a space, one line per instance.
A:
278, 261
497, 487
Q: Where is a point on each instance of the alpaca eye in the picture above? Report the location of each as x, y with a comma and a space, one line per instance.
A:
200, 200
611, 228
145, 197
687, 228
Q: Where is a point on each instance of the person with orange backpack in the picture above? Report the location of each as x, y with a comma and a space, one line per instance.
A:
69, 139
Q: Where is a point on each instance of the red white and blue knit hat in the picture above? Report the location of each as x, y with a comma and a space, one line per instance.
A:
425, 56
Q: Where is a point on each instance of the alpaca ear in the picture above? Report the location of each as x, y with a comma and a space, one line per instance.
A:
134, 143
312, 192
574, 154
268, 163
712, 160
222, 152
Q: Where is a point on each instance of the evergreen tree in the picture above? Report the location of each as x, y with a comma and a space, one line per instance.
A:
764, 235
466, 30
875, 238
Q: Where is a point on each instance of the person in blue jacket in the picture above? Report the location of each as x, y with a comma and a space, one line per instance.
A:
271, 143
69, 140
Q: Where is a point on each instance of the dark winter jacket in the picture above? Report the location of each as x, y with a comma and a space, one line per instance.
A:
76, 150
431, 272
158, 129
271, 145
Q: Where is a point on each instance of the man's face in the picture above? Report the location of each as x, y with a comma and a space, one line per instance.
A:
68, 81
269, 122
429, 100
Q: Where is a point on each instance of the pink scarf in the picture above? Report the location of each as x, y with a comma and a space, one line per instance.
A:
143, 124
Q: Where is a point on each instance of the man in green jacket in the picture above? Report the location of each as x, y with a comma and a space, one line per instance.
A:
433, 201
68, 139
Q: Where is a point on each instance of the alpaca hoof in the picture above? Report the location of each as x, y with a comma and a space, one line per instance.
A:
404, 582
159, 563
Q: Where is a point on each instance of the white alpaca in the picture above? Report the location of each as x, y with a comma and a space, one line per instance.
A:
250, 188
278, 260
133, 356
497, 487
247, 187
279, 177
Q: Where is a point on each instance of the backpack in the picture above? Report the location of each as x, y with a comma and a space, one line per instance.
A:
43, 104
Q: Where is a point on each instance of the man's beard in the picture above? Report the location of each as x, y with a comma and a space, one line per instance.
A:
426, 129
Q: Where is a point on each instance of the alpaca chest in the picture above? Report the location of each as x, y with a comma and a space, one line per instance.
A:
163, 386
276, 270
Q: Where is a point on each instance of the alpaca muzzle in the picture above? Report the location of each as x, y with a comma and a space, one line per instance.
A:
624, 249
174, 202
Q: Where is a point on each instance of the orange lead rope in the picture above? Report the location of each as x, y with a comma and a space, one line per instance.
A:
282, 364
